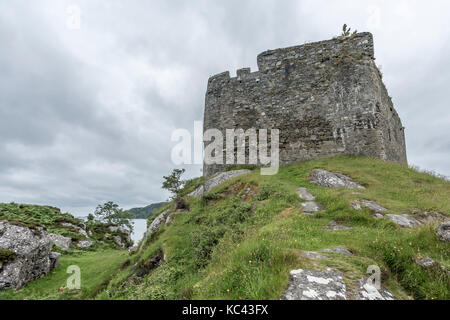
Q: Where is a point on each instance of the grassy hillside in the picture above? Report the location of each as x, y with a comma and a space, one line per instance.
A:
242, 238
145, 212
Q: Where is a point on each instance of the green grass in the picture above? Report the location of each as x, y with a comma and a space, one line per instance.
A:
97, 268
235, 246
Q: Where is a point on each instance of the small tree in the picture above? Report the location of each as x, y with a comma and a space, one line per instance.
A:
173, 183
111, 213
346, 31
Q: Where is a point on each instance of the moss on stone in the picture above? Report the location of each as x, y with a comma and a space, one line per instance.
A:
7, 256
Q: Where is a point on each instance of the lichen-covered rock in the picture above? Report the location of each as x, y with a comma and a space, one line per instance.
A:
217, 180
356, 205
403, 220
372, 205
33, 254
154, 226
61, 241
330, 285
367, 291
425, 262
118, 229
329, 179
315, 285
305, 195
79, 229
311, 207
443, 232
426, 217
169, 219
54, 259
84, 244
118, 241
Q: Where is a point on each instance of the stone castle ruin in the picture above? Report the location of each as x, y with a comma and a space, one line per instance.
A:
326, 98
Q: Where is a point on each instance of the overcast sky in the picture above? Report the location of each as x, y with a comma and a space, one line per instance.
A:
86, 115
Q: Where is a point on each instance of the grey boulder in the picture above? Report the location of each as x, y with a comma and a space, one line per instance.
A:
329, 179
305, 195
79, 229
315, 285
372, 205
217, 180
61, 241
367, 291
154, 226
311, 207
443, 232
85, 244
54, 259
33, 254
403, 220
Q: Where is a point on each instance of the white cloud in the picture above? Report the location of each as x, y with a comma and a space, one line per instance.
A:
86, 115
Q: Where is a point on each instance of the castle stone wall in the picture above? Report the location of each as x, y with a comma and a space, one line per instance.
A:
326, 98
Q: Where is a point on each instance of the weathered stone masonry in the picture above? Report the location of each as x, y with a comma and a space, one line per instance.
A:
326, 98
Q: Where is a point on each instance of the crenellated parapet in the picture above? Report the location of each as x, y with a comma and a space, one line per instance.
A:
326, 98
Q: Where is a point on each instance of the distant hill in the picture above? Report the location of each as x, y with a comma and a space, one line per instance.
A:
145, 212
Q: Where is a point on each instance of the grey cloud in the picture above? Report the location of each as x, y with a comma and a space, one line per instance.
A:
86, 115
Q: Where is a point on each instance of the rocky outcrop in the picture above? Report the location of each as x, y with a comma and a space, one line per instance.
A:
54, 259
403, 220
417, 218
154, 226
61, 241
311, 207
329, 179
304, 194
85, 244
118, 239
443, 232
428, 263
367, 291
216, 180
79, 229
334, 226
33, 256
377, 210
372, 205
330, 285
315, 285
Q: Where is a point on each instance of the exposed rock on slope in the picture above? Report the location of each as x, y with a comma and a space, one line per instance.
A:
329, 179
443, 231
61, 241
315, 285
33, 254
216, 180
329, 285
154, 226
